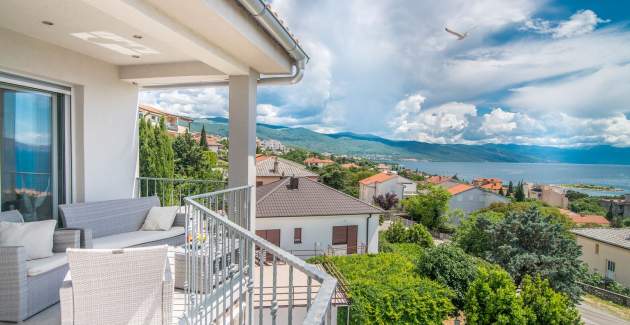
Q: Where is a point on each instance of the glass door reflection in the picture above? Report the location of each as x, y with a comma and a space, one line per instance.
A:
27, 181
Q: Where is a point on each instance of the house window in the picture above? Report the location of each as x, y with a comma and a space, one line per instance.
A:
297, 235
610, 269
597, 249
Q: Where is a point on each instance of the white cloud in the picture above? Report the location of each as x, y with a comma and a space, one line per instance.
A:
442, 124
580, 23
270, 114
189, 102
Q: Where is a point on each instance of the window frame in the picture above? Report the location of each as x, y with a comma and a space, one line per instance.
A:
297, 235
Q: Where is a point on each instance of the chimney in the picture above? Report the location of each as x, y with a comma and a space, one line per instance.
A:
294, 183
275, 165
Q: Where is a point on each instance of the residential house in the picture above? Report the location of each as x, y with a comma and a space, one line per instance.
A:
175, 124
383, 183
350, 166
271, 168
469, 198
308, 218
383, 168
606, 251
490, 184
71, 72
620, 207
316, 162
272, 145
213, 142
586, 220
554, 196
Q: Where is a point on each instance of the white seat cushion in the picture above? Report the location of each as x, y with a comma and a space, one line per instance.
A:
160, 218
128, 239
36, 237
43, 265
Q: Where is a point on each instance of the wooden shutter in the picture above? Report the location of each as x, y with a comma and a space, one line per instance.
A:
340, 235
297, 235
353, 233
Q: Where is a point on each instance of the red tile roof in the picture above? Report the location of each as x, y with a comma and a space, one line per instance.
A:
377, 178
492, 186
583, 219
314, 160
459, 188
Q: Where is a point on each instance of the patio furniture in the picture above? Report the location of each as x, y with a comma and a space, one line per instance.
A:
29, 286
117, 223
205, 264
119, 286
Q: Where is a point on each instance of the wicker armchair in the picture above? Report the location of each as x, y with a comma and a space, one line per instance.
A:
123, 286
28, 287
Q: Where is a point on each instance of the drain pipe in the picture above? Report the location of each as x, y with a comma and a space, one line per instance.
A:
272, 24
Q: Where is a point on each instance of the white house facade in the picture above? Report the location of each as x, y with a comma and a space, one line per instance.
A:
308, 218
386, 182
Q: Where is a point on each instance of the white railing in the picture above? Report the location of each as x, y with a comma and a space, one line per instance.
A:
172, 191
235, 277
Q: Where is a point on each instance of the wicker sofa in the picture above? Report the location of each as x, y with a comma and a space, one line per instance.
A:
29, 286
116, 224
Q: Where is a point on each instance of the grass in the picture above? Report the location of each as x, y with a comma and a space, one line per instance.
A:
615, 309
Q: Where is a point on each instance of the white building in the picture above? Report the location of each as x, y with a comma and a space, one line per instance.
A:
386, 182
308, 218
70, 76
470, 198
273, 145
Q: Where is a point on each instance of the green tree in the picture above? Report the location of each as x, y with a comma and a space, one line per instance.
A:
510, 189
529, 243
519, 193
155, 151
203, 141
450, 266
416, 234
297, 155
543, 306
193, 162
429, 206
472, 235
575, 195
492, 299
333, 176
587, 205
610, 215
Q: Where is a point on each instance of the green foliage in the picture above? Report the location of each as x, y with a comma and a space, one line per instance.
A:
385, 289
297, 155
587, 205
429, 206
529, 243
450, 266
505, 208
203, 141
542, 305
333, 176
492, 299
575, 195
413, 252
345, 180
597, 280
191, 161
416, 234
156, 153
472, 234
510, 189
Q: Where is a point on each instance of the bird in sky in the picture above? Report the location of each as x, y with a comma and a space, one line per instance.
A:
460, 36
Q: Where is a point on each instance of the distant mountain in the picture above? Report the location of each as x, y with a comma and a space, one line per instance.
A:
368, 145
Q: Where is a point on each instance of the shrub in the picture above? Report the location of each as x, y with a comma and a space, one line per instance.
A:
450, 266
429, 206
416, 234
385, 289
472, 235
412, 252
492, 299
542, 305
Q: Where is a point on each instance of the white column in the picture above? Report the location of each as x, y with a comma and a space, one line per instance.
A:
242, 137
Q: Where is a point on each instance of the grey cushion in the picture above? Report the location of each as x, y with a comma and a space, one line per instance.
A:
108, 217
11, 216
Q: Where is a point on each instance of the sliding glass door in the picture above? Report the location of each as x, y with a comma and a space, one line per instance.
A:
30, 156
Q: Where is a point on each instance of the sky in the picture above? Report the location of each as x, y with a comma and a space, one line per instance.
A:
536, 72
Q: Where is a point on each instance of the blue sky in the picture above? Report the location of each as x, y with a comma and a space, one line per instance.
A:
530, 72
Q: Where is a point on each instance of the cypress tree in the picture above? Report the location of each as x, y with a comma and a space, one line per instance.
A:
203, 142
510, 189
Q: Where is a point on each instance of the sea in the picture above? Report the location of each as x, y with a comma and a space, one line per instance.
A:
617, 176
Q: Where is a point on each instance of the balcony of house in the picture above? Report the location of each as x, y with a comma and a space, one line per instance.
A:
70, 77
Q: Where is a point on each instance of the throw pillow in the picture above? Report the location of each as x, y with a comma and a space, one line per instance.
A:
160, 218
36, 237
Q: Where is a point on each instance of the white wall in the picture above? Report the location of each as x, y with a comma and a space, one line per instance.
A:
104, 112
319, 230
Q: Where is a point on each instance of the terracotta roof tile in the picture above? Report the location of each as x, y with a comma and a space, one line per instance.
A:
459, 188
377, 178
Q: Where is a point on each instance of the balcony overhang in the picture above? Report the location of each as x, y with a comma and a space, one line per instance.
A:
155, 42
